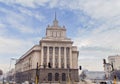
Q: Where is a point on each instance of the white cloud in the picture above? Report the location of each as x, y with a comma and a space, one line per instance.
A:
26, 3
35, 14
13, 46
101, 8
2, 29
98, 43
95, 8
20, 21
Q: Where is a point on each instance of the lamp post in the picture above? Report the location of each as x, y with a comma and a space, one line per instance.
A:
10, 75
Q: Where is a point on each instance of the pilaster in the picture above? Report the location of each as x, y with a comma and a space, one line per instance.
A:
41, 56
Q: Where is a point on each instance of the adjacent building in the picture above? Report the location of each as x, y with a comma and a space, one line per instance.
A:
55, 55
107, 69
112, 67
115, 61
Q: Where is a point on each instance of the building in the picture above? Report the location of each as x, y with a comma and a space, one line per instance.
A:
112, 67
55, 55
107, 69
115, 61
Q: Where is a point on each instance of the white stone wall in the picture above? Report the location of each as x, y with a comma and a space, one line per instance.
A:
29, 61
35, 59
75, 60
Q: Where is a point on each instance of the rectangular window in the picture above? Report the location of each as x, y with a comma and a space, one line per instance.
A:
68, 57
45, 55
51, 55
56, 56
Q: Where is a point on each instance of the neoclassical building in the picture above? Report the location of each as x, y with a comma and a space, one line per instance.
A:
56, 56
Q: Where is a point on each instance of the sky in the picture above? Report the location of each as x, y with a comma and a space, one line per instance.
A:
93, 25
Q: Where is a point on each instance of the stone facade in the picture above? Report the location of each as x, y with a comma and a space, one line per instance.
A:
56, 50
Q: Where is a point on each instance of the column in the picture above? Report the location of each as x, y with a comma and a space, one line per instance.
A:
65, 65
71, 64
41, 55
53, 66
47, 56
59, 58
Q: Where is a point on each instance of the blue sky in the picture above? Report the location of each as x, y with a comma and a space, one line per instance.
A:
93, 25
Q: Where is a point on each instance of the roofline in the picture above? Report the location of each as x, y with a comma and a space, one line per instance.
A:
27, 53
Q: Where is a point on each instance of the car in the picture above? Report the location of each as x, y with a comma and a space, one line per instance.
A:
106, 82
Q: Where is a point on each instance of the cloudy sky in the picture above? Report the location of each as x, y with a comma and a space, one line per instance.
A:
93, 25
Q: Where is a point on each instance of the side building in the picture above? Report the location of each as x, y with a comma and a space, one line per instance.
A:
115, 61
56, 56
112, 68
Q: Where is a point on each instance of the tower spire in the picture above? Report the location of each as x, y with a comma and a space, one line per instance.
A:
55, 22
55, 15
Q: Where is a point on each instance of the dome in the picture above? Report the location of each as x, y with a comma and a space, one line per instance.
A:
1, 72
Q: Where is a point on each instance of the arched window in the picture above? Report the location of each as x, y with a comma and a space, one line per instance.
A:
49, 76
56, 76
63, 77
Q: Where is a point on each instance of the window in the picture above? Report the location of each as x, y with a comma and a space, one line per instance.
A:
51, 55
63, 77
56, 56
49, 76
45, 55
68, 56
56, 76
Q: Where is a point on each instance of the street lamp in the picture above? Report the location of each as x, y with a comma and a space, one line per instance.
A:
9, 75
